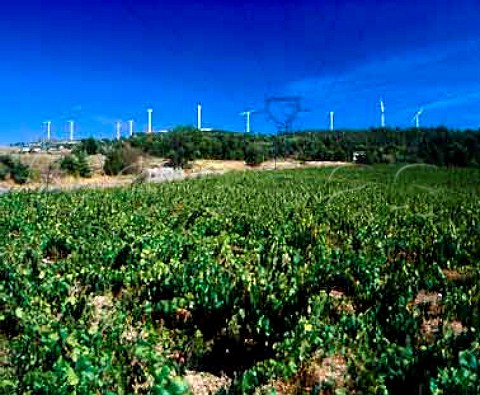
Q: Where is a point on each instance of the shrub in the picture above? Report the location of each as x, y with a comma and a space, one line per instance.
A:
17, 171
90, 146
254, 155
69, 164
20, 173
122, 159
76, 164
7, 161
3, 172
181, 153
83, 165
177, 158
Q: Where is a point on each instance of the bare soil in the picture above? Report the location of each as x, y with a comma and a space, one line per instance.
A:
222, 166
203, 383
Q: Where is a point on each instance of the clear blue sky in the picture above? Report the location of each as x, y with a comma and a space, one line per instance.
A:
101, 61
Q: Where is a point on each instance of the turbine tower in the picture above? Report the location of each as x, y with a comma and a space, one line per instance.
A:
382, 113
199, 116
130, 122
71, 129
247, 114
149, 120
332, 115
416, 118
49, 124
119, 128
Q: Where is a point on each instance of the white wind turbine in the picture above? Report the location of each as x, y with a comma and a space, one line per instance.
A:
332, 119
149, 111
119, 130
247, 114
130, 123
416, 118
199, 116
382, 113
49, 130
71, 123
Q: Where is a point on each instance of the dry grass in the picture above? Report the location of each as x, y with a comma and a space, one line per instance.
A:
102, 310
203, 165
7, 150
46, 166
222, 166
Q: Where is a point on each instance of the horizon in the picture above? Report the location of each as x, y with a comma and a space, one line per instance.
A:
191, 129
99, 64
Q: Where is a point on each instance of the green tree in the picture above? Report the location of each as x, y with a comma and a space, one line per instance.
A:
84, 169
254, 155
76, 164
122, 159
90, 146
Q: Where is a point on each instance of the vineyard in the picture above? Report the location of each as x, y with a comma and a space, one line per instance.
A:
358, 280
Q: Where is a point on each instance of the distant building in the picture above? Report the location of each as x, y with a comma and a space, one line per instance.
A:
45, 146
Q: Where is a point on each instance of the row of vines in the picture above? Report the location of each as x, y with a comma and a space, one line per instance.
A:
354, 280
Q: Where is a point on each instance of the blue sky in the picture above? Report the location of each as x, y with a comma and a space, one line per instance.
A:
98, 62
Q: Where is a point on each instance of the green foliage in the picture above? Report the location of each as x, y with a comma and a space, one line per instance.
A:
4, 171
7, 161
76, 164
90, 146
463, 379
124, 290
122, 159
179, 157
16, 170
254, 155
436, 146
69, 164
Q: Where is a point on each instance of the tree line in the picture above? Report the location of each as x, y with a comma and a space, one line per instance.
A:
438, 146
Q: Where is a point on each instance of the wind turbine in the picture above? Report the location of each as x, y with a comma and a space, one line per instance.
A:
49, 124
332, 115
247, 114
119, 128
71, 129
416, 118
149, 120
199, 116
382, 113
130, 122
